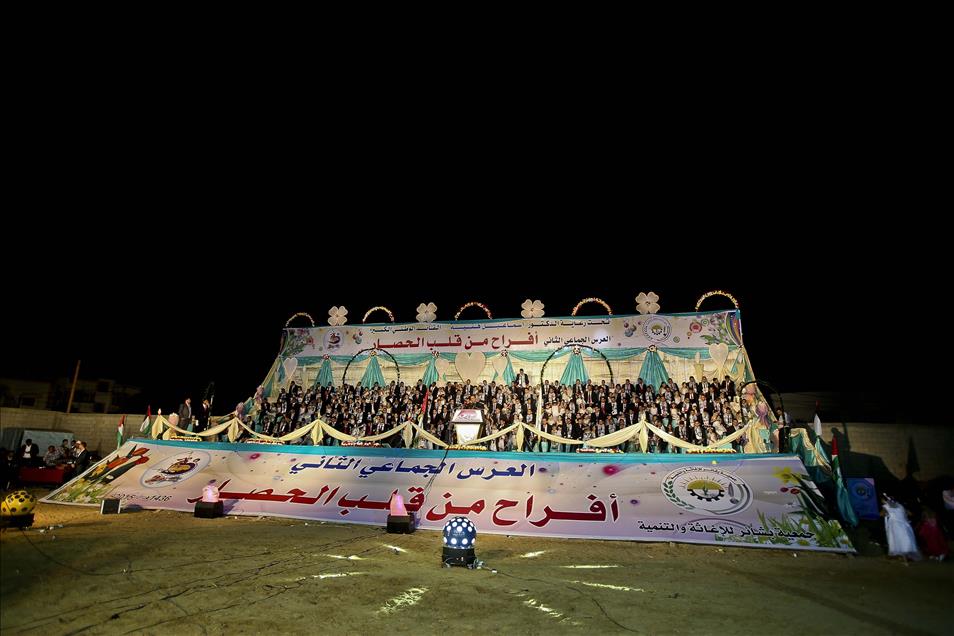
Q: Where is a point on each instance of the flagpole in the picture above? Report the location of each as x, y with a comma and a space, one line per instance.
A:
69, 403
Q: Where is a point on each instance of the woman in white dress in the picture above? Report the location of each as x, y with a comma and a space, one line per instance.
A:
901, 541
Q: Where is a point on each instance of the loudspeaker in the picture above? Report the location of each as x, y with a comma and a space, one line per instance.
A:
111, 506
401, 524
208, 509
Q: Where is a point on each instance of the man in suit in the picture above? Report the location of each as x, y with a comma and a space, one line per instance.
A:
205, 412
185, 414
82, 460
29, 454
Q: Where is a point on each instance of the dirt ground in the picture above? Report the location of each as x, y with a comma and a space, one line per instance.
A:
163, 572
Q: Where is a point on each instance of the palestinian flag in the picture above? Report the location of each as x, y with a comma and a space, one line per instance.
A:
120, 430
146, 422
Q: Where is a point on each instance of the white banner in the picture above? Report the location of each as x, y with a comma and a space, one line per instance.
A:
740, 500
677, 331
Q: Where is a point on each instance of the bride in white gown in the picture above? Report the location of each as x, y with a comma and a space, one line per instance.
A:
901, 541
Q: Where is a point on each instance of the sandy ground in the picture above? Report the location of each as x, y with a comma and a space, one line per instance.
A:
163, 572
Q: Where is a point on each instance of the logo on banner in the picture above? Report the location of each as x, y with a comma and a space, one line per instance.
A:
333, 340
708, 489
657, 329
176, 469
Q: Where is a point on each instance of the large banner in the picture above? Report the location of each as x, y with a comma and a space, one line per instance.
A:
748, 500
675, 331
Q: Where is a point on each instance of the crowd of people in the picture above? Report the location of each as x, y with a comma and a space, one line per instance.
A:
73, 453
700, 413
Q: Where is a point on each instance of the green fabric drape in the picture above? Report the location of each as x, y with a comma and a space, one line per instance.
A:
372, 374
653, 370
324, 374
575, 370
431, 375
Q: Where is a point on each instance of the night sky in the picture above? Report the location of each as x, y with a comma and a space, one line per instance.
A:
170, 321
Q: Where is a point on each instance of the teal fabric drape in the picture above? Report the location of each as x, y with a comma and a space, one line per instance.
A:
372, 375
431, 375
412, 359
817, 474
617, 354
689, 354
281, 370
575, 370
653, 371
536, 356
324, 374
509, 376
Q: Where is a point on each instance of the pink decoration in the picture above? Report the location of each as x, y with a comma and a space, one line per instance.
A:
397, 506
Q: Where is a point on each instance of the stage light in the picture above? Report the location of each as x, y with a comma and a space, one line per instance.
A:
459, 536
210, 493
210, 507
399, 520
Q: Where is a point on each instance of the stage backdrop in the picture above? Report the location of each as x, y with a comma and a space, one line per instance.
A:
743, 500
654, 347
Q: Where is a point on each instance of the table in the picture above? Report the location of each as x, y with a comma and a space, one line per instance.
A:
36, 475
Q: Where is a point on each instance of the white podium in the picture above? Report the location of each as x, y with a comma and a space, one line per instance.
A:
469, 424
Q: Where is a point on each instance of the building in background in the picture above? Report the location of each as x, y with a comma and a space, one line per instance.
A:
91, 396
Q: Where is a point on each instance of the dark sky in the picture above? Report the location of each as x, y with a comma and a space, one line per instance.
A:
169, 317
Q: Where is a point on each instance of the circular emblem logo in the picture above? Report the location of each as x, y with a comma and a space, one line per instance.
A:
176, 469
657, 329
709, 489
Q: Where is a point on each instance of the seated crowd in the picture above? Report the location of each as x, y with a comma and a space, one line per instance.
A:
700, 413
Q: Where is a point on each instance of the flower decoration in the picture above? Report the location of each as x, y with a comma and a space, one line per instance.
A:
532, 309
337, 316
785, 474
647, 303
426, 313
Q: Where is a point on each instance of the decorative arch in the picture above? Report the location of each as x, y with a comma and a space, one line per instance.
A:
300, 314
602, 355
474, 303
344, 376
378, 308
716, 292
598, 301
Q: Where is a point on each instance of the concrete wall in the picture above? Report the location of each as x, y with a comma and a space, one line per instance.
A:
98, 430
885, 450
